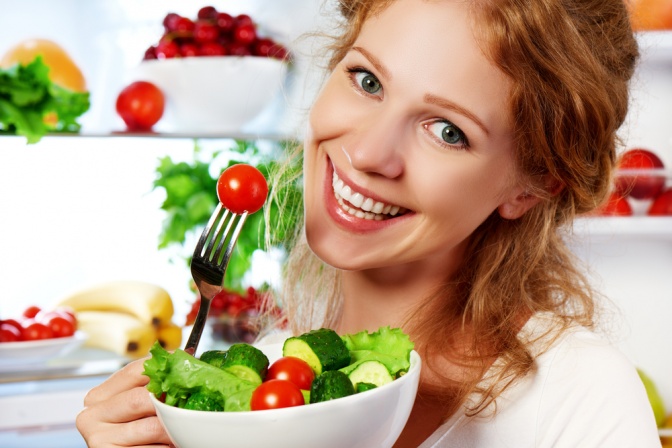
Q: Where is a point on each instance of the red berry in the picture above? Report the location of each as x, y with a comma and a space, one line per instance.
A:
189, 50
225, 22
205, 31
244, 19
238, 49
170, 21
207, 12
212, 49
245, 34
167, 49
150, 53
262, 46
184, 25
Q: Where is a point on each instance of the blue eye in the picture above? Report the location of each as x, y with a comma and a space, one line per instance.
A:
367, 82
448, 133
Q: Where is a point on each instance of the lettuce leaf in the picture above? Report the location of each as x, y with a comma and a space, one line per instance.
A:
179, 374
27, 96
390, 346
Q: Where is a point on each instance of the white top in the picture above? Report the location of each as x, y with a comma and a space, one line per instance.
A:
584, 393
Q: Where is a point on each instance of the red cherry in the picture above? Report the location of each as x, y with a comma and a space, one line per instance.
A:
225, 22
170, 21
245, 34
211, 49
205, 31
184, 25
238, 49
167, 49
262, 46
189, 50
207, 12
150, 53
243, 19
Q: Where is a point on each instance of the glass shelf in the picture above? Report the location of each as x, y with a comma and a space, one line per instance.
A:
658, 228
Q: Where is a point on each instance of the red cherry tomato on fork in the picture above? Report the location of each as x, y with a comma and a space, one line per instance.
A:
242, 188
276, 394
292, 369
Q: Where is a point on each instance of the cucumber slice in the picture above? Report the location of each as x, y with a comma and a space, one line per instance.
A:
373, 372
331, 385
242, 360
322, 349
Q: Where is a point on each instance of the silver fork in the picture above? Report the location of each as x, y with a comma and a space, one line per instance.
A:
209, 262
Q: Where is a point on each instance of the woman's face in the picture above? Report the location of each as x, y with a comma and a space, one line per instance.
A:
412, 121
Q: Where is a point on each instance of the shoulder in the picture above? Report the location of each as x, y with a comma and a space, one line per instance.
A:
589, 392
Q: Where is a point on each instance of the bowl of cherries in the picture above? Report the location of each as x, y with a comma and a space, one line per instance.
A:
217, 71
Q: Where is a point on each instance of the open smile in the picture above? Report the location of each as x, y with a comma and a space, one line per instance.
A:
360, 206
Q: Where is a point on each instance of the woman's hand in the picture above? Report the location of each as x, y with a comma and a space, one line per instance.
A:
119, 412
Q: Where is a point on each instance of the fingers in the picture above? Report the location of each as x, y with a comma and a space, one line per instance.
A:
122, 380
125, 419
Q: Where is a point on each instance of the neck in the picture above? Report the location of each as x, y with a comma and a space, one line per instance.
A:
385, 296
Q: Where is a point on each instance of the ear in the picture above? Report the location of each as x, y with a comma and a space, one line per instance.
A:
520, 202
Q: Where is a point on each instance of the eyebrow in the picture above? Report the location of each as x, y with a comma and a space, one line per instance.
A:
428, 98
444, 103
374, 61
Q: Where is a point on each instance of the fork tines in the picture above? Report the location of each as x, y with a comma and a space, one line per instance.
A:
215, 245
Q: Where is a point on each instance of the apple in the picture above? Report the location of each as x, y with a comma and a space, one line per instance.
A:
662, 205
639, 186
654, 397
615, 205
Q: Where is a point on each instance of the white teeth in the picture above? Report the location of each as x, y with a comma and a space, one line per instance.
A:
378, 207
357, 199
359, 205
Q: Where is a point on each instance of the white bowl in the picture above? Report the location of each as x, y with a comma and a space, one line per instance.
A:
214, 94
40, 351
369, 419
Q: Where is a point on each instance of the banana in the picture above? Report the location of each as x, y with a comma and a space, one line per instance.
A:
148, 302
120, 333
169, 336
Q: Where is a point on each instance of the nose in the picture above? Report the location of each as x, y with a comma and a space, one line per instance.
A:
377, 147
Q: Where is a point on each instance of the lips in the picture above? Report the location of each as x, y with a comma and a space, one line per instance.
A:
360, 206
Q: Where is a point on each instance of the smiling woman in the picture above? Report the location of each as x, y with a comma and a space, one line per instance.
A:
449, 148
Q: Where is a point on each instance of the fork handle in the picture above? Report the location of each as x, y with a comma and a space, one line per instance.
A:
199, 323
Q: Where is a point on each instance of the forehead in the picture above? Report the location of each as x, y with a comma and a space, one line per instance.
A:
432, 45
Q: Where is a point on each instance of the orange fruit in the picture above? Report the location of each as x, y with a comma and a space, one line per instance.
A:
649, 15
62, 69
